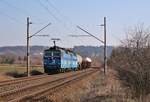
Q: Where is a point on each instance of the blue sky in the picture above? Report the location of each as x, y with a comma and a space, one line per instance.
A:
65, 15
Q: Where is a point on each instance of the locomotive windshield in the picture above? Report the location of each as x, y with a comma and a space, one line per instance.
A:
48, 53
52, 53
52, 58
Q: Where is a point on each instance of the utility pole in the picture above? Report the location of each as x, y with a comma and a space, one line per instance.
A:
28, 39
28, 46
105, 50
102, 41
28, 49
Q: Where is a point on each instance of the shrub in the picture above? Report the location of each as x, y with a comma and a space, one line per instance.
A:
35, 72
16, 74
132, 62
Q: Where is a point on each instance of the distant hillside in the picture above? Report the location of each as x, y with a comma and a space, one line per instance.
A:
90, 51
21, 50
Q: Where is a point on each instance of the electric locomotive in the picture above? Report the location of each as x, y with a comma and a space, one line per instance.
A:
58, 59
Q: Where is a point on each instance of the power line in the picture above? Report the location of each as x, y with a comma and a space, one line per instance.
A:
49, 12
66, 22
14, 7
65, 17
21, 10
45, 7
50, 4
11, 18
79, 35
60, 14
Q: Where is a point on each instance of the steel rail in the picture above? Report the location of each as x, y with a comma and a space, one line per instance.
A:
30, 90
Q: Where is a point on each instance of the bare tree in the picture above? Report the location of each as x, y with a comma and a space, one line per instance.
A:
132, 62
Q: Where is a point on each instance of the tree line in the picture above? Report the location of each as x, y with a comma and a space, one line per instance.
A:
13, 59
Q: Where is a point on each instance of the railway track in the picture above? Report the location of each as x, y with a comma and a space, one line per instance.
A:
29, 89
13, 84
26, 81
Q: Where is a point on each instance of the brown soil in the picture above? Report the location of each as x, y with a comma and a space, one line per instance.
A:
4, 77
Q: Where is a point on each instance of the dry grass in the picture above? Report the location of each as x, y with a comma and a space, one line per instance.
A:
4, 68
108, 89
95, 88
4, 77
10, 71
73, 93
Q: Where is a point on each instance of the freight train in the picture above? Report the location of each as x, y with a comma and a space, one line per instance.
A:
57, 59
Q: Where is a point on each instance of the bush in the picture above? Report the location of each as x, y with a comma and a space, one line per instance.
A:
35, 72
132, 62
16, 74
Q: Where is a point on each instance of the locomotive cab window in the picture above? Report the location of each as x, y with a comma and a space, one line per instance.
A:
52, 53
48, 53
56, 53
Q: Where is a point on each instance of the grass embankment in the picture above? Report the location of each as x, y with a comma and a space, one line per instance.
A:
95, 88
18, 70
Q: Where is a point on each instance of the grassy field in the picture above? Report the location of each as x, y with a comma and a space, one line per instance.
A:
5, 68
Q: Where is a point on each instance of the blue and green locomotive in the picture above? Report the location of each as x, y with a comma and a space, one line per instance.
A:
58, 59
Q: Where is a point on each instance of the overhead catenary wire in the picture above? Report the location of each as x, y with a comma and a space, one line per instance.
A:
58, 11
46, 8
68, 20
52, 5
62, 16
49, 12
11, 18
20, 10
65, 18
14, 7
